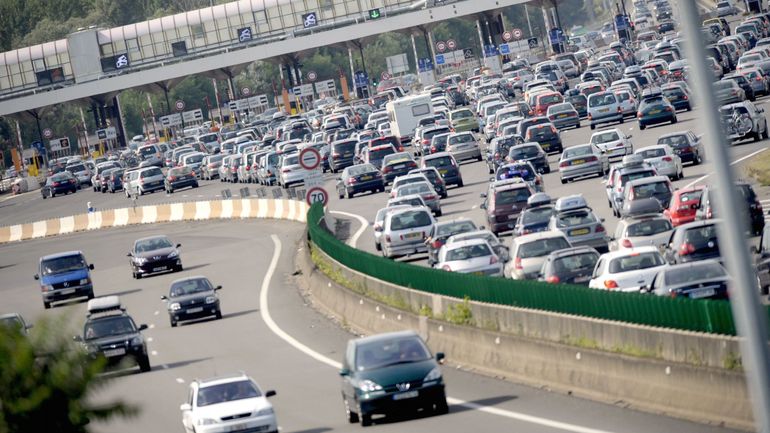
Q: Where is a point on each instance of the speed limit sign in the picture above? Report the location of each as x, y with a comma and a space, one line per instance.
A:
317, 194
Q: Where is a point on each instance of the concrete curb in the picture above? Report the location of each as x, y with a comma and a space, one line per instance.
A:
188, 211
702, 394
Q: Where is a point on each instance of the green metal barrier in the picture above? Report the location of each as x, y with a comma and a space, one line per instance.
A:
708, 316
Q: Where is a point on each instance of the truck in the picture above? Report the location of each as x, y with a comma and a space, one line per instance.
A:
405, 114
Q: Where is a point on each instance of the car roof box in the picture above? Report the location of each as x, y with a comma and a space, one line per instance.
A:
633, 159
570, 202
104, 304
538, 199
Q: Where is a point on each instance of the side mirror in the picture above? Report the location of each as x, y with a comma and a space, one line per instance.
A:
129, 254
164, 298
178, 245
630, 136
142, 327
344, 372
270, 393
91, 266
218, 287
440, 357
36, 276
483, 206
185, 407
77, 338
483, 195
602, 219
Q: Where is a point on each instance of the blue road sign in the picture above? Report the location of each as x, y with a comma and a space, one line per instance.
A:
425, 64
39, 146
556, 36
621, 22
361, 79
490, 51
440, 59
505, 49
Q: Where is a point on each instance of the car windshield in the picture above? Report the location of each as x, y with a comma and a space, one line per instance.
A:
378, 154
188, 287
635, 262
542, 247
62, 264
523, 152
180, 171
652, 153
383, 352
151, 245
108, 326
468, 252
605, 137
576, 262
576, 151
575, 218
410, 219
648, 227
538, 215
698, 271
455, 227
511, 196
225, 392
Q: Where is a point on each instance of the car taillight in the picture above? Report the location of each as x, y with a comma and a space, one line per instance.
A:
709, 214
387, 238
758, 78
639, 114
592, 159
590, 117
610, 284
436, 244
553, 279
72, 181
336, 155
517, 264
248, 167
387, 169
430, 197
56, 184
620, 111
433, 149
565, 164
286, 170
493, 260
352, 180
446, 268
626, 243
599, 229
686, 249
426, 141
171, 178
667, 109
667, 158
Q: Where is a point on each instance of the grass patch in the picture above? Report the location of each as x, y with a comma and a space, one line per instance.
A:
759, 168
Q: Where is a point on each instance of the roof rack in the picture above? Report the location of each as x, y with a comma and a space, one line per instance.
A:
104, 304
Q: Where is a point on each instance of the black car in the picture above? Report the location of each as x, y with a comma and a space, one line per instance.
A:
546, 135
154, 254
115, 181
570, 266
752, 212
685, 144
705, 279
531, 152
192, 298
62, 182
180, 177
762, 260
388, 373
111, 333
580, 102
359, 178
677, 96
341, 155
692, 242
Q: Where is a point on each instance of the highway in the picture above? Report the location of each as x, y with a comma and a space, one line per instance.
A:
308, 390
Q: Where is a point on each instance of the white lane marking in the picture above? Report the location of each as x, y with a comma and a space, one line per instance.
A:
152, 326
353, 241
264, 311
150, 339
178, 379
698, 180
156, 312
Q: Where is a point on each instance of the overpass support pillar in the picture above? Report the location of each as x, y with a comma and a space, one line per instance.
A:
119, 120
416, 59
352, 68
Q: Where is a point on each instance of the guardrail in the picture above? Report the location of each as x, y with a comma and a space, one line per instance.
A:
708, 316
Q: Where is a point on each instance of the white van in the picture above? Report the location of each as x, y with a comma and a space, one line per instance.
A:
405, 113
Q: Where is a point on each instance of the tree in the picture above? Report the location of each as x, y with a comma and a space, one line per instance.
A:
47, 382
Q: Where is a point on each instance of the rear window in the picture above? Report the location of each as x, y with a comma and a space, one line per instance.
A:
381, 153
652, 153
635, 175
456, 227
699, 271
148, 150
649, 190
192, 159
600, 100
178, 171
635, 262
523, 152
550, 99
76, 168
575, 262
152, 172
539, 132
510, 196
442, 161
578, 151
542, 247
648, 227
575, 219
537, 215
468, 252
410, 219
344, 147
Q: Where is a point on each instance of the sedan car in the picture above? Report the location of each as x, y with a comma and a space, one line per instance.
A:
627, 270
192, 298
388, 373
62, 182
228, 404
677, 96
180, 177
500, 250
563, 115
446, 165
154, 254
685, 144
643, 230
463, 120
705, 279
569, 266
613, 142
582, 160
728, 92
359, 178
464, 146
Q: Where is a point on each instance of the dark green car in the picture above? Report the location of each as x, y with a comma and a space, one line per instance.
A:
389, 373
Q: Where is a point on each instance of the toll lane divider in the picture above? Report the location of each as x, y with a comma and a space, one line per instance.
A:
291, 210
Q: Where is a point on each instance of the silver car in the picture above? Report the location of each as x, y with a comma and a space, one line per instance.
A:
149, 179
641, 231
582, 160
289, 170
579, 223
425, 190
613, 142
528, 252
603, 107
379, 221
404, 231
471, 256
463, 145
663, 158
493, 241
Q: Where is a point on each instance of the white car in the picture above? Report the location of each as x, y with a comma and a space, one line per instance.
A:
613, 142
663, 159
628, 104
528, 252
226, 404
472, 256
627, 270
644, 230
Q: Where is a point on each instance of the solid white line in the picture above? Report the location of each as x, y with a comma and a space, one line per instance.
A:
698, 180
264, 311
353, 241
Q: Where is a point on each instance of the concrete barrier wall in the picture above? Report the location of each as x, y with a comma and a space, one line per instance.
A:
189, 211
526, 348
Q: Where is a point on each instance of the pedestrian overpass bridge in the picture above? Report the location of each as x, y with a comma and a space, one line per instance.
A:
98, 62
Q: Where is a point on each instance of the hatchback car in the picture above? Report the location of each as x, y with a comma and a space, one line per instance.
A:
500, 250
546, 135
603, 107
396, 164
388, 373
582, 160
192, 298
503, 202
683, 205
613, 142
404, 231
627, 270
748, 113
529, 251
692, 242
685, 144
463, 146
441, 231
751, 208
655, 109
425, 190
359, 178
531, 152
228, 404
679, 98
434, 177
569, 266
663, 158
180, 177
463, 120
657, 187
446, 165
579, 223
289, 170
705, 279
471, 256
154, 254
728, 92
341, 154
643, 230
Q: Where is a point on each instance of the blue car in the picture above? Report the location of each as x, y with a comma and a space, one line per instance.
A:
655, 109
64, 276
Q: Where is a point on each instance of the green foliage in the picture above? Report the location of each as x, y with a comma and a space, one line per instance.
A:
47, 383
460, 314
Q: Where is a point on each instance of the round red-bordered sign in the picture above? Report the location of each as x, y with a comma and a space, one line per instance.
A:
309, 158
317, 194
507, 36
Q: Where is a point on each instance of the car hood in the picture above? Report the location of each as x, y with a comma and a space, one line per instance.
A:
398, 373
158, 252
66, 276
229, 408
113, 339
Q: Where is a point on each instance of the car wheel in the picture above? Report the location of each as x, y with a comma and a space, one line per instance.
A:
349, 414
144, 364
622, 119
179, 269
674, 120
138, 276
441, 406
46, 305
366, 419
577, 126
563, 181
218, 314
642, 126
547, 169
460, 184
757, 136
173, 323
195, 185
378, 247
439, 213
479, 158
765, 133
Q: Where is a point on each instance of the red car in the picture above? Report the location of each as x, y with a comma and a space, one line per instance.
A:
683, 206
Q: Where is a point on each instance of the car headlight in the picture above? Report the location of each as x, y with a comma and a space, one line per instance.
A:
369, 386
206, 421
85, 281
137, 341
47, 287
265, 411
434, 374
175, 306
211, 299
173, 254
140, 260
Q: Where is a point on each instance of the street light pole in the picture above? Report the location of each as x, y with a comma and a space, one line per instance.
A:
750, 319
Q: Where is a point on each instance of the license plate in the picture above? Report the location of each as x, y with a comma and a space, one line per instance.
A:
195, 310
562, 116
443, 172
702, 293
398, 167
237, 427
512, 216
406, 395
67, 291
654, 111
114, 352
414, 235
162, 268
604, 110
582, 279
366, 178
478, 273
578, 161
579, 232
